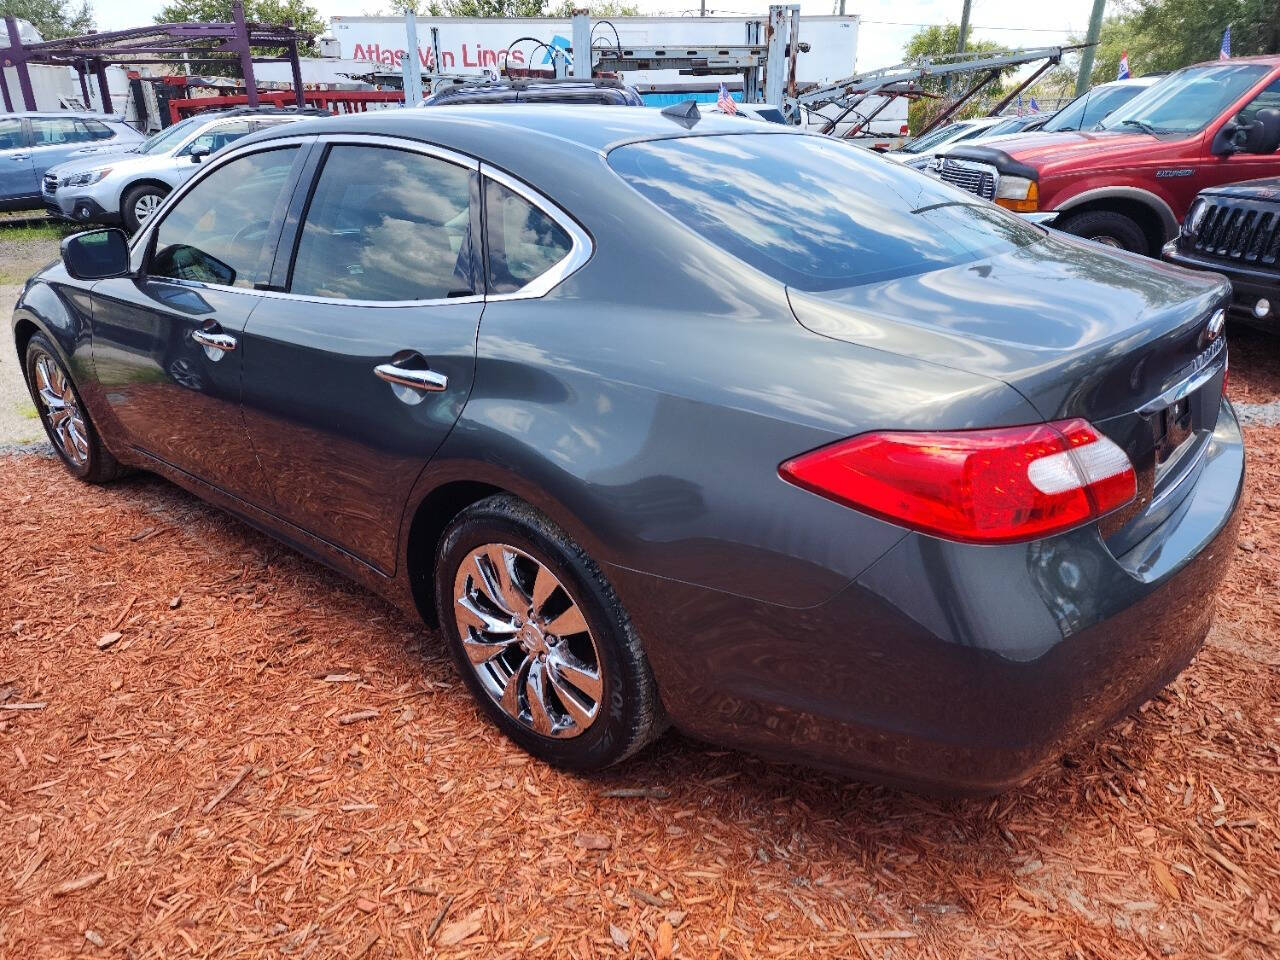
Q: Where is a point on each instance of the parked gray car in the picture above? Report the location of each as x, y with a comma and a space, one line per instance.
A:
129, 186
31, 143
732, 426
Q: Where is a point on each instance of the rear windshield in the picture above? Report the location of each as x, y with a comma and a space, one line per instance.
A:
815, 213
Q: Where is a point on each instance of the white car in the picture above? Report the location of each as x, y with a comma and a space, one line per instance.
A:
920, 151
128, 187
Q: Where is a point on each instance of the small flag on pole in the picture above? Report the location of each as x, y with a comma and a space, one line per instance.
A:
1035, 107
1225, 52
1123, 72
725, 102
1019, 104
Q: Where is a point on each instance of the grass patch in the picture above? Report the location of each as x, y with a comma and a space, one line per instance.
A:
28, 410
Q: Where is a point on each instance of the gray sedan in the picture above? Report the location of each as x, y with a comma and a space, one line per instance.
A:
725, 425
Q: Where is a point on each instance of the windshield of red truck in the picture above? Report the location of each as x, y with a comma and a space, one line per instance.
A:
1186, 101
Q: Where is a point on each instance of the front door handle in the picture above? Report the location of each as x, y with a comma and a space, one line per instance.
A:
216, 345
425, 380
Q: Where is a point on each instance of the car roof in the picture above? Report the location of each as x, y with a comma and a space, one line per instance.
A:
494, 130
1266, 60
58, 114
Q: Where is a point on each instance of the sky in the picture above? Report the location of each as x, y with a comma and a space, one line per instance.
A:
886, 24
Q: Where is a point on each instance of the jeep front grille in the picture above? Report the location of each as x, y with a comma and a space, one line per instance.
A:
1240, 230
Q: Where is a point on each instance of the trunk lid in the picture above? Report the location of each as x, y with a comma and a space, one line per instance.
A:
1077, 329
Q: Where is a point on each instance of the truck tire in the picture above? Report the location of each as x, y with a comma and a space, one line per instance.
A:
1109, 228
139, 203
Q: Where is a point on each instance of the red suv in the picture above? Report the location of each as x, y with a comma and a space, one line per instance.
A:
1129, 181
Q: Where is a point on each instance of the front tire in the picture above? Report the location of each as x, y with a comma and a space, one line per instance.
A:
541, 638
1111, 229
140, 204
65, 419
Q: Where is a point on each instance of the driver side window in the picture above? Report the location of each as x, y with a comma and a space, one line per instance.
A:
218, 232
1268, 99
217, 137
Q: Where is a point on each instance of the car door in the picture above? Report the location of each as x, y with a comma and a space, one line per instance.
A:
166, 341
55, 139
17, 175
1236, 167
357, 367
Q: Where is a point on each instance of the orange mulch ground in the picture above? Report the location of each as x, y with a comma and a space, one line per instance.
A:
268, 762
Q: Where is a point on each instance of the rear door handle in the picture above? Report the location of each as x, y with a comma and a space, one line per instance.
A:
426, 380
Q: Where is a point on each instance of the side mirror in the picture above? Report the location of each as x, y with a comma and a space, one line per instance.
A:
1228, 140
199, 153
96, 254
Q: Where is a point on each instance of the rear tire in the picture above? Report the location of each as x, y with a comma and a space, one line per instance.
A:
558, 666
140, 203
1109, 228
65, 419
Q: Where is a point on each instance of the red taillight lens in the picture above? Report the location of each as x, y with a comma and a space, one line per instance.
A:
977, 486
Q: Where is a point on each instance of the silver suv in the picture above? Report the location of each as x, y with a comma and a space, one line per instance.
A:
128, 187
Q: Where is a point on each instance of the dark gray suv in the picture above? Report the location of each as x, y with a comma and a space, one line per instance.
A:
714, 423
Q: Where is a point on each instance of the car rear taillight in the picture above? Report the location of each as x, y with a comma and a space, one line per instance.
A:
977, 486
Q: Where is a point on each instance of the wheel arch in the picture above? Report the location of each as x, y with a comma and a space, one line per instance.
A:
427, 523
143, 182
1151, 211
445, 490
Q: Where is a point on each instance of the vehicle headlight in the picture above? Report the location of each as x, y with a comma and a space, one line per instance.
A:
1020, 194
86, 178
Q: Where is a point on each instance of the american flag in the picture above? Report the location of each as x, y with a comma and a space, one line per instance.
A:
725, 102
1225, 52
1123, 72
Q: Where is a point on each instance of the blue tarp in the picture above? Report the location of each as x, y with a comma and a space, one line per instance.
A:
667, 99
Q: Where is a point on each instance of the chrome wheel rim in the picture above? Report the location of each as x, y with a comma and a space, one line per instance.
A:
61, 411
527, 641
1108, 241
145, 206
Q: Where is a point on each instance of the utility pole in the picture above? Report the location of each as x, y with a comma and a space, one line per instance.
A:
1087, 54
964, 31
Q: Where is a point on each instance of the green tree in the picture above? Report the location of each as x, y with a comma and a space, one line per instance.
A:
937, 41
599, 11
511, 8
53, 18
1164, 35
301, 15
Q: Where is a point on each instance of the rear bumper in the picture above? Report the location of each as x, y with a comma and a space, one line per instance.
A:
1248, 285
947, 666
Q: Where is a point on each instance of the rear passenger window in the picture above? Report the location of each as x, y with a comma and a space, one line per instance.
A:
386, 225
524, 242
51, 131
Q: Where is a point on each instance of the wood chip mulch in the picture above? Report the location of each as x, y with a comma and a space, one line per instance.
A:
213, 747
